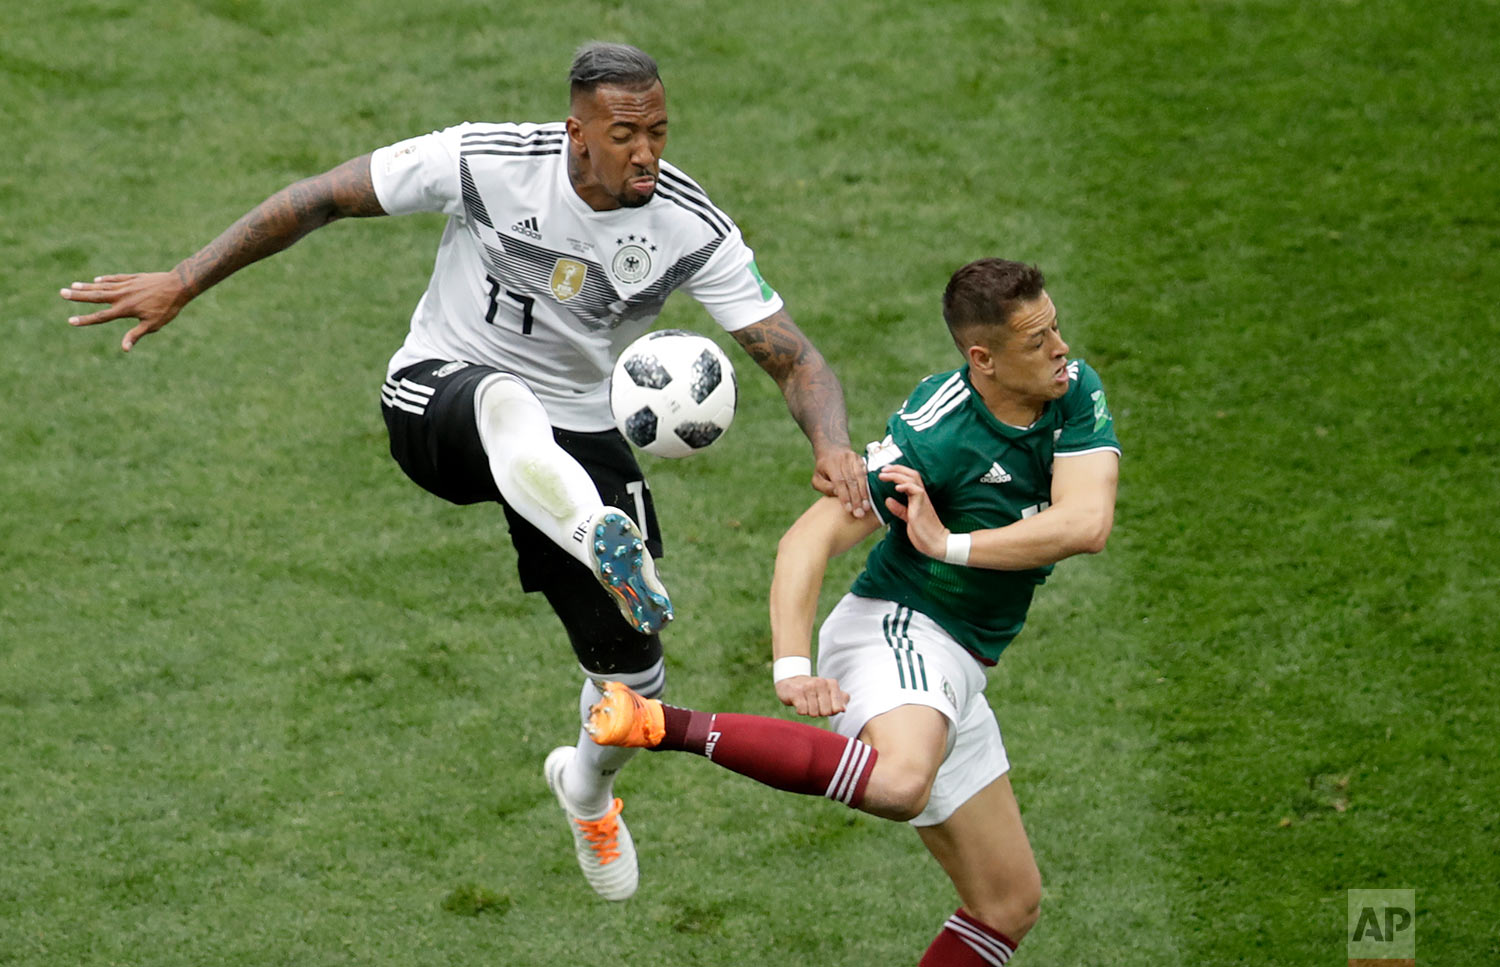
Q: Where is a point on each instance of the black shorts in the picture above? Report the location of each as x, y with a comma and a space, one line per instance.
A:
429, 412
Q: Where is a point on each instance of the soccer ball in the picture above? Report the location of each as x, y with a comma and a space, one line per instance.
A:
673, 392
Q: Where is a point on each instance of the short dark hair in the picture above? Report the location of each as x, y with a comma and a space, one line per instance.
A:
985, 293
603, 63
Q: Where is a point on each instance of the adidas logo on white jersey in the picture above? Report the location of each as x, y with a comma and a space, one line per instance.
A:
528, 227
996, 475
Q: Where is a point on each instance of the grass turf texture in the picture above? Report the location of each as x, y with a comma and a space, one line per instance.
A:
263, 701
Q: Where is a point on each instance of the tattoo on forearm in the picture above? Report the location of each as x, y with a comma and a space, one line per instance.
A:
777, 345
279, 221
812, 391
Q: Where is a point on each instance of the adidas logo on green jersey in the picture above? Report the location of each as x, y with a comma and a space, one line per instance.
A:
996, 475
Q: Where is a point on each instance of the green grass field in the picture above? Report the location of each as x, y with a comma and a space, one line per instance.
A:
262, 701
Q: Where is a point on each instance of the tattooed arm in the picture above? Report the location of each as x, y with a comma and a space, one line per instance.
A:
816, 400
155, 298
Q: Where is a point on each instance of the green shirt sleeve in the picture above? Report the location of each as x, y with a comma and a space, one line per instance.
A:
1087, 422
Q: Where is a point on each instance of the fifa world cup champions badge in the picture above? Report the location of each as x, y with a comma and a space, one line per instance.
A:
1382, 928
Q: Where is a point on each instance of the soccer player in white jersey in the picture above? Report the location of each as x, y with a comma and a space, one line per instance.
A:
563, 241
1016, 452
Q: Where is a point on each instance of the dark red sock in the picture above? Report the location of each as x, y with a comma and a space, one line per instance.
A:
965, 942
791, 756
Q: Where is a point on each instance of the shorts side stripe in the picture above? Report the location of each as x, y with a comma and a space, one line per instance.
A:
911, 666
406, 395
890, 640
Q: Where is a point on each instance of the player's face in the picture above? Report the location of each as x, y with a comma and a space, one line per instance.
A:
1031, 362
617, 136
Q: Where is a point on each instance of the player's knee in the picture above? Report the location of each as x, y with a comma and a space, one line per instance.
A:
1013, 906
902, 791
505, 402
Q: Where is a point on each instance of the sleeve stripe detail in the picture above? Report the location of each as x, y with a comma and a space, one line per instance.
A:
514, 131
935, 401
719, 228
518, 152
686, 185
948, 398
514, 140
689, 192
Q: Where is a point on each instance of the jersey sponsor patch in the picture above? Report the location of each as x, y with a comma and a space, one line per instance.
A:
567, 279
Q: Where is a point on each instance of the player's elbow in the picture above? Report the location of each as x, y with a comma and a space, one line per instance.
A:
1093, 532
1093, 542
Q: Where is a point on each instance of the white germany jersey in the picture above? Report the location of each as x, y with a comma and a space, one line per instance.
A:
531, 280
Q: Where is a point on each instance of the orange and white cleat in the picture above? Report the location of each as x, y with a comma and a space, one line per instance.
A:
624, 718
605, 851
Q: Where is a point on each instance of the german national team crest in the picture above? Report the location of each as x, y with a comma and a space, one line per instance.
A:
567, 279
631, 264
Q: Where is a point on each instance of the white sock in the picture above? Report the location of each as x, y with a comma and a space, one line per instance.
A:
589, 779
537, 478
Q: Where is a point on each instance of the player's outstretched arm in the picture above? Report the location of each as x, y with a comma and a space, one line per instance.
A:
816, 400
1078, 521
822, 533
155, 298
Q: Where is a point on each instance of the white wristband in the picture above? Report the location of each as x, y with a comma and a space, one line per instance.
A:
957, 551
790, 667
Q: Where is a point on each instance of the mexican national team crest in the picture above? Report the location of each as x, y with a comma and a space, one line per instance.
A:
631, 264
567, 279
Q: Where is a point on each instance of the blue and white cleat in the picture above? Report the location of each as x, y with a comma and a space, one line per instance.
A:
625, 568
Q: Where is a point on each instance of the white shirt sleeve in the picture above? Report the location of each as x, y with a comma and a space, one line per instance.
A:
730, 286
419, 174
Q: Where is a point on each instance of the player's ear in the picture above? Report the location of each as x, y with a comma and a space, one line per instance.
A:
575, 134
981, 360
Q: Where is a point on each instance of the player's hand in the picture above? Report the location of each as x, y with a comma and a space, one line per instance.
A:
923, 527
841, 474
819, 697
154, 298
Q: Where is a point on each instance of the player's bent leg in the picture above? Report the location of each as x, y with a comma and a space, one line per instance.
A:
790, 756
619, 559
911, 740
984, 850
537, 478
549, 488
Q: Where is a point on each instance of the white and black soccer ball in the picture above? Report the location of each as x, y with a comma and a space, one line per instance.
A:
673, 392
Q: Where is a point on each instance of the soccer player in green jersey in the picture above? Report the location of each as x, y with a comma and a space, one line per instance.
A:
990, 475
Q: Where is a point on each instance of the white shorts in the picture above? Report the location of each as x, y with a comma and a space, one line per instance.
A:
885, 655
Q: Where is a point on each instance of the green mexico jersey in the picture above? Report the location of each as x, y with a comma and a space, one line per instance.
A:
980, 473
